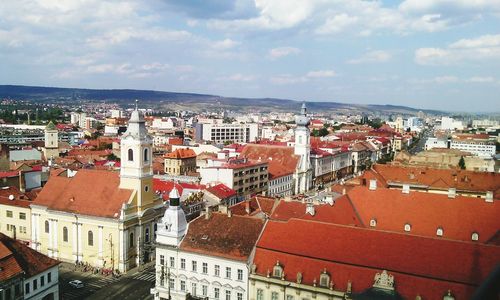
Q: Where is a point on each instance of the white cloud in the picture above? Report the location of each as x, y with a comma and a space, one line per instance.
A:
376, 56
479, 79
478, 49
237, 77
321, 74
287, 79
283, 51
225, 44
336, 24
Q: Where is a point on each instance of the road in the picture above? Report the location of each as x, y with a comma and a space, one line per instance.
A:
130, 286
420, 146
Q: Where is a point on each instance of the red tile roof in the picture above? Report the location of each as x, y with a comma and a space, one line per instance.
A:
89, 192
281, 160
19, 199
181, 154
221, 191
228, 237
256, 206
420, 265
18, 259
458, 217
165, 186
342, 212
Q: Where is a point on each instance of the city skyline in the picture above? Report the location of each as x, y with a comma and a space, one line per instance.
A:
424, 54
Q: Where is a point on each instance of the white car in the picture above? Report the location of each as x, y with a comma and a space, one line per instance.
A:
76, 284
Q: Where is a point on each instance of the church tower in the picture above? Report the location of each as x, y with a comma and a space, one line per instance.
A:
173, 225
302, 148
51, 146
136, 171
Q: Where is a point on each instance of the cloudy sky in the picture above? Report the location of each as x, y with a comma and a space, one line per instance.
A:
442, 54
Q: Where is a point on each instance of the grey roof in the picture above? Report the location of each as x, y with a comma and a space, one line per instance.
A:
30, 154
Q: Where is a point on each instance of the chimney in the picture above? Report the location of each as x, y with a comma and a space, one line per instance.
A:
247, 206
229, 213
406, 189
373, 185
343, 191
452, 193
208, 213
489, 196
310, 209
21, 182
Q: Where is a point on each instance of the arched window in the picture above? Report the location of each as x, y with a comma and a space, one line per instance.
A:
146, 154
155, 229
324, 279
277, 270
131, 240
146, 238
47, 227
439, 231
130, 155
475, 236
407, 227
373, 222
90, 238
65, 234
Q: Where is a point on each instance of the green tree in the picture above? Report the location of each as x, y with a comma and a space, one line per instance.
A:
461, 163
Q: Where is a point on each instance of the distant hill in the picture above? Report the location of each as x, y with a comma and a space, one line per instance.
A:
193, 101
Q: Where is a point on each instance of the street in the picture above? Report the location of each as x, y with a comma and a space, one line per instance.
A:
130, 286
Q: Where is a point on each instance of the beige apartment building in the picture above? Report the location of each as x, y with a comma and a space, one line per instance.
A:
180, 162
15, 220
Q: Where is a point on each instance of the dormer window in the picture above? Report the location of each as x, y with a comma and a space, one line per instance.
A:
324, 279
475, 236
373, 222
407, 227
439, 231
277, 270
130, 155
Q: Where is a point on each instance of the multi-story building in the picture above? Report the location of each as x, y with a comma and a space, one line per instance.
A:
15, 214
246, 177
180, 162
26, 273
197, 261
223, 133
434, 142
484, 123
448, 123
478, 144
104, 218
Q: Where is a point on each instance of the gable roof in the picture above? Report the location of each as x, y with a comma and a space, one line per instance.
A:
89, 192
257, 206
17, 258
228, 237
425, 212
221, 191
281, 160
181, 153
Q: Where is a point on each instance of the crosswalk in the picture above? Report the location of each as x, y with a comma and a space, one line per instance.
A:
102, 282
91, 285
146, 276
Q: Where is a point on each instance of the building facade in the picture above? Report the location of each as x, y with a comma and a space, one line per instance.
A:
222, 133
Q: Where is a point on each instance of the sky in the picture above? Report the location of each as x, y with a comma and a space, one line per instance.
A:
437, 54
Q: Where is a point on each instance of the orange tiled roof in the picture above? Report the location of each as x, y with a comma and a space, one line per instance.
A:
20, 199
181, 154
281, 160
228, 237
89, 192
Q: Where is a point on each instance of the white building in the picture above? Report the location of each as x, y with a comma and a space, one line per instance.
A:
197, 260
164, 123
448, 123
478, 147
484, 123
302, 148
221, 133
433, 142
116, 113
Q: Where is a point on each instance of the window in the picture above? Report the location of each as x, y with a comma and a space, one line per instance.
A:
228, 272
228, 295
35, 284
42, 281
49, 277
204, 268
171, 283
147, 236
239, 296
407, 227
289, 297
217, 270
183, 263
194, 266
172, 262
475, 236
240, 274
90, 238
193, 289
260, 294
277, 270
130, 155
162, 260
27, 288
204, 290
216, 293
47, 227
324, 279
373, 222
9, 213
22, 216
131, 240
274, 296
146, 154
439, 231
65, 234
183, 285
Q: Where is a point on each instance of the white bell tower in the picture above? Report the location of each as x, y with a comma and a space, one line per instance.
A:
51, 145
172, 227
302, 148
136, 171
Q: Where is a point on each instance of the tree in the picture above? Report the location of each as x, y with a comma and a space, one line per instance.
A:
461, 163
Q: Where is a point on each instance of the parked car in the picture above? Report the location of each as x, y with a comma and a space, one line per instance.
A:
77, 284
